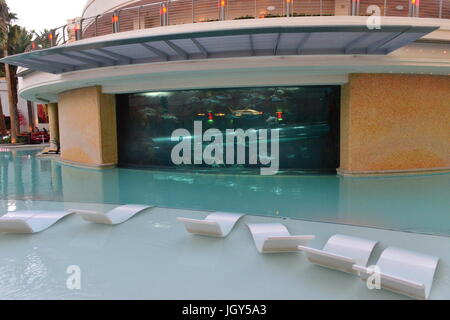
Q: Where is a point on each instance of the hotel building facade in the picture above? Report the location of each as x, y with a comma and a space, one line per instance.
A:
357, 87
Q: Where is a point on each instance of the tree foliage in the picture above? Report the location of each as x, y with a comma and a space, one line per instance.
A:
14, 39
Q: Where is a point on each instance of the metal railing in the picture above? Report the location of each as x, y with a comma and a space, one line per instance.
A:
175, 12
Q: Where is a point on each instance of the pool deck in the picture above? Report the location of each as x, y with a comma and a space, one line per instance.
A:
20, 146
152, 257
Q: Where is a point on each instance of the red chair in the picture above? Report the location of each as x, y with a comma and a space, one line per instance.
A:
40, 137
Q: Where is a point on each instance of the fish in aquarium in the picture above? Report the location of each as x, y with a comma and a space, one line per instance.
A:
194, 100
149, 112
245, 113
169, 117
211, 100
223, 97
275, 99
271, 119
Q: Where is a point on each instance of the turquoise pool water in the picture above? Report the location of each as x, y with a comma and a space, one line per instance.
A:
418, 204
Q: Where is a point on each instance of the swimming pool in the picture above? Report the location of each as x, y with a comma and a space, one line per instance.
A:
411, 203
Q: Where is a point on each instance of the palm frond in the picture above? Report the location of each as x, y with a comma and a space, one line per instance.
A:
19, 39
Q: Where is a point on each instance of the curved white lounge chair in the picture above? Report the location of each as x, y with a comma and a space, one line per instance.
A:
341, 252
115, 216
405, 272
274, 237
31, 221
216, 224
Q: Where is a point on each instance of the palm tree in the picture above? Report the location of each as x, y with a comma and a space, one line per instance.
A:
42, 39
4, 18
2, 121
5, 21
19, 40
14, 40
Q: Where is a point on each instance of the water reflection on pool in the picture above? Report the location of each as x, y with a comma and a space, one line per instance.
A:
408, 203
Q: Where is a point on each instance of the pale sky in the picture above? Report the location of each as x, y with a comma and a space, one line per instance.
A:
40, 14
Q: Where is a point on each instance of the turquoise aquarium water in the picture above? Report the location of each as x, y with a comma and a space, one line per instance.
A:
306, 120
408, 203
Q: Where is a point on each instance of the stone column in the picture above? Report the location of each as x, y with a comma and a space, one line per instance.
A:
53, 125
88, 127
395, 123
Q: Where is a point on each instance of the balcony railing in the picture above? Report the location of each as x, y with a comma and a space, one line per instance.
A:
175, 12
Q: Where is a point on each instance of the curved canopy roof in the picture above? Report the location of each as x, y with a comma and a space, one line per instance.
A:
130, 48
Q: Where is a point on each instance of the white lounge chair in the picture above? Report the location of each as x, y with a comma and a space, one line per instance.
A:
216, 224
30, 221
274, 237
115, 216
405, 272
341, 252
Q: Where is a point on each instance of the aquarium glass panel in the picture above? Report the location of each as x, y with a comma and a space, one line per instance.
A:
305, 118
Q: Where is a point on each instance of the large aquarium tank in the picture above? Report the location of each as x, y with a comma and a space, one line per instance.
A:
306, 119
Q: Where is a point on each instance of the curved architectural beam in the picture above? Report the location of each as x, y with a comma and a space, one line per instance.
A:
269, 40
